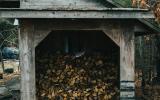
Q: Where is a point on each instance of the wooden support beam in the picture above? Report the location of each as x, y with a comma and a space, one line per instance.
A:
27, 60
127, 51
109, 27
114, 35
100, 14
40, 35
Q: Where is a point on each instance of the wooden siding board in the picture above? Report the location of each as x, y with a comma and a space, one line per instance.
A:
63, 4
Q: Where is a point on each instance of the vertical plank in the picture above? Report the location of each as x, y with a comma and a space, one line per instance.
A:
27, 60
127, 63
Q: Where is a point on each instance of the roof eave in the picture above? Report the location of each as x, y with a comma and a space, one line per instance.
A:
113, 13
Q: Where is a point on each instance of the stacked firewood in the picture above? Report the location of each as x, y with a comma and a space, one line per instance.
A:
65, 77
140, 3
156, 10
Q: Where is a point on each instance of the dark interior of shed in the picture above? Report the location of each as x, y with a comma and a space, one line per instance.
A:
77, 65
9, 3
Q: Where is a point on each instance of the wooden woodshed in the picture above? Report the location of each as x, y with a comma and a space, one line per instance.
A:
39, 17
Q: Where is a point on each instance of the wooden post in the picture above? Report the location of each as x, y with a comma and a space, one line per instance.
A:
27, 60
127, 49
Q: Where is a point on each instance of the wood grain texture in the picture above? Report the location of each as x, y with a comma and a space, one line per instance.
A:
127, 60
27, 61
111, 28
92, 14
114, 34
127, 55
63, 4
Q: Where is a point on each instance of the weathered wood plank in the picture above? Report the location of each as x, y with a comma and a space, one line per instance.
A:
27, 60
100, 14
63, 4
114, 34
127, 63
40, 35
110, 27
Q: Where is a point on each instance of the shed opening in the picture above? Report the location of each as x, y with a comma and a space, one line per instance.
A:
9, 4
77, 65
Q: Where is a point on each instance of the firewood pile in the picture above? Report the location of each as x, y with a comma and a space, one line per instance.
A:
156, 10
140, 3
65, 77
146, 89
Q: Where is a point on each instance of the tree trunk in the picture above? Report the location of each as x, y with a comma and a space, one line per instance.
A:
2, 60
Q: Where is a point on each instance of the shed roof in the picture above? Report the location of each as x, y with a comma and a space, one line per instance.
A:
147, 21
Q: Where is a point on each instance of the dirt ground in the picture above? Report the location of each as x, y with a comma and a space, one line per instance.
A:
10, 84
10, 64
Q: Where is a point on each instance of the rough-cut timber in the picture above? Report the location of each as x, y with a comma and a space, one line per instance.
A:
127, 62
110, 27
27, 61
62, 4
114, 13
